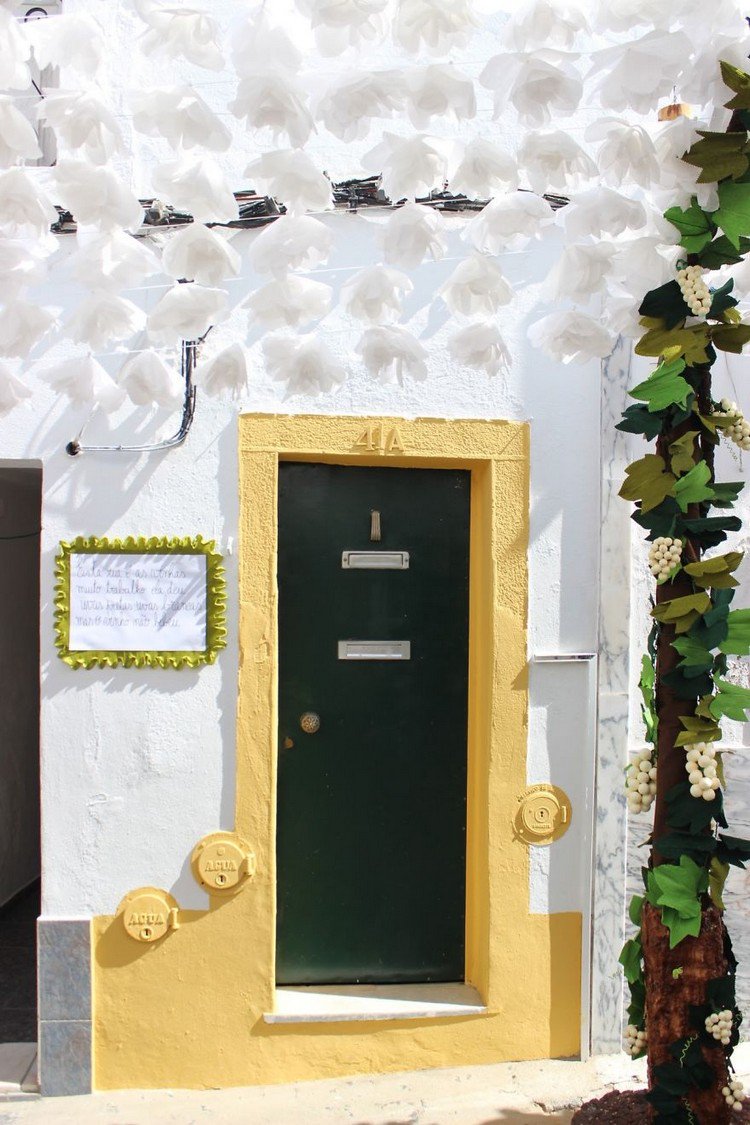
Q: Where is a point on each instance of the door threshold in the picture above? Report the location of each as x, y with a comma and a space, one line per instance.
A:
333, 1003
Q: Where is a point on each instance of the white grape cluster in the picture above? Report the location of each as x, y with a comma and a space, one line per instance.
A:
719, 1024
701, 768
641, 782
738, 429
734, 1093
695, 292
635, 1040
664, 555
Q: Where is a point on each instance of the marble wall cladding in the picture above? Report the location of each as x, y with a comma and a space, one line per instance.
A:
614, 674
64, 975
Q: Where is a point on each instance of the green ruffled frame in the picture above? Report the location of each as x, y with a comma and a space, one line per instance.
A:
216, 600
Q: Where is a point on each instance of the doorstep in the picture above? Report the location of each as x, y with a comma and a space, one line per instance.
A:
18, 1071
336, 1003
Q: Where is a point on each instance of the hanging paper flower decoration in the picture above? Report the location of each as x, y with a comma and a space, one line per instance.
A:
480, 346
636, 74
114, 260
508, 222
626, 154
411, 166
68, 40
545, 23
24, 205
21, 264
571, 336
289, 303
476, 287
18, 140
440, 91
541, 85
256, 45
102, 318
302, 363
97, 196
411, 233
12, 390
186, 312
196, 253
602, 212
436, 25
643, 263
22, 326
376, 294
581, 271
276, 102
84, 123
176, 32
198, 185
338, 24
291, 176
678, 179
85, 382
485, 169
14, 51
553, 161
180, 116
293, 242
149, 382
349, 107
390, 352
225, 373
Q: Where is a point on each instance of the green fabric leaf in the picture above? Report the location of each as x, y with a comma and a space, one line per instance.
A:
737, 640
715, 572
637, 1005
725, 495
718, 155
709, 531
695, 658
647, 481
681, 612
730, 337
677, 889
676, 844
721, 252
695, 226
730, 700
664, 386
639, 420
690, 342
738, 81
733, 213
717, 877
648, 708
733, 850
693, 488
688, 684
631, 960
681, 452
635, 909
661, 520
680, 927
692, 813
698, 730
722, 300
666, 304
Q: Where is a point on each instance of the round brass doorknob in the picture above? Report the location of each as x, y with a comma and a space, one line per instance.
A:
310, 722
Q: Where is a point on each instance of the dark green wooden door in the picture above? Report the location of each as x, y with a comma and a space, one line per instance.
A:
372, 807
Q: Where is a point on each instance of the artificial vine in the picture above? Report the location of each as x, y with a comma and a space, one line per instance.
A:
686, 512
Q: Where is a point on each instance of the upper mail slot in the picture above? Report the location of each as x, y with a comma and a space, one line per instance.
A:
375, 560
374, 650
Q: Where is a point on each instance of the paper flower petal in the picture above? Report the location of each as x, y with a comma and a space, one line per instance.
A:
256, 46
96, 196
435, 25
293, 242
390, 352
276, 102
289, 303
544, 23
602, 212
148, 381
476, 287
410, 166
580, 271
637, 73
114, 260
480, 346
553, 161
440, 91
508, 222
18, 140
485, 169
68, 40
186, 312
196, 253
349, 107
181, 32
22, 263
83, 123
24, 204
302, 363
541, 85
338, 24
85, 382
180, 116
22, 326
412, 232
376, 294
14, 51
12, 390
570, 336
627, 153
290, 176
197, 185
102, 318
224, 373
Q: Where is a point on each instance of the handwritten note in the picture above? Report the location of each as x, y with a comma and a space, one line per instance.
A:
137, 603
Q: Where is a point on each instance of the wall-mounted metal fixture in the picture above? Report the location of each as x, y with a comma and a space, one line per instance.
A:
562, 657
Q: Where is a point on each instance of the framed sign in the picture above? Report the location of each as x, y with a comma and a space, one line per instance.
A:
139, 602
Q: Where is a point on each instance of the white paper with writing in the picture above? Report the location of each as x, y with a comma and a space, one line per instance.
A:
137, 603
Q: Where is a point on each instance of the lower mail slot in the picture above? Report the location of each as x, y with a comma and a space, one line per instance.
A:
374, 650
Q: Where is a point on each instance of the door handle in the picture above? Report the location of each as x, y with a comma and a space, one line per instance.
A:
310, 722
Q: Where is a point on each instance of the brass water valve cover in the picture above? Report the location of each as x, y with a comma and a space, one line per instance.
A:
148, 913
222, 862
544, 814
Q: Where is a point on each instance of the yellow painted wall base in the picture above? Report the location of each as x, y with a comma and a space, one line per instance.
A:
187, 1011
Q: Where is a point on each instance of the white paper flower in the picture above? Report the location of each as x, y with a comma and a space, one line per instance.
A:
339, 24
390, 352
702, 83
544, 23
480, 346
68, 40
96, 195
101, 318
679, 180
181, 116
627, 153
22, 326
485, 170
602, 212
257, 46
303, 363
293, 242
12, 390
82, 122
541, 85
198, 185
553, 161
186, 312
411, 166
580, 271
637, 73
644, 263
411, 233
196, 253
85, 382
148, 381
376, 294
24, 204
621, 316
290, 176
349, 106
175, 32
508, 222
436, 25
18, 141
624, 15
22, 263
14, 51
114, 260
571, 336
290, 302
225, 372
476, 287
439, 90
276, 102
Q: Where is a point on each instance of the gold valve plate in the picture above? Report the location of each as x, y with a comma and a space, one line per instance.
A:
147, 913
222, 862
544, 814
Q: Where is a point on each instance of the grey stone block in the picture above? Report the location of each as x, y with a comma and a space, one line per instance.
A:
64, 1057
64, 969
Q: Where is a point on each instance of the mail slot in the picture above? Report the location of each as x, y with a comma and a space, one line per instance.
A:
374, 650
375, 560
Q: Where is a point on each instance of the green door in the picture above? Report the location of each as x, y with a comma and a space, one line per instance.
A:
372, 806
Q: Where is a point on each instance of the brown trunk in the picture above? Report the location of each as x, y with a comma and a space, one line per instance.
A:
669, 996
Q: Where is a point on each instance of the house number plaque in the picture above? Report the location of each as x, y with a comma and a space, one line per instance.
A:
379, 437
